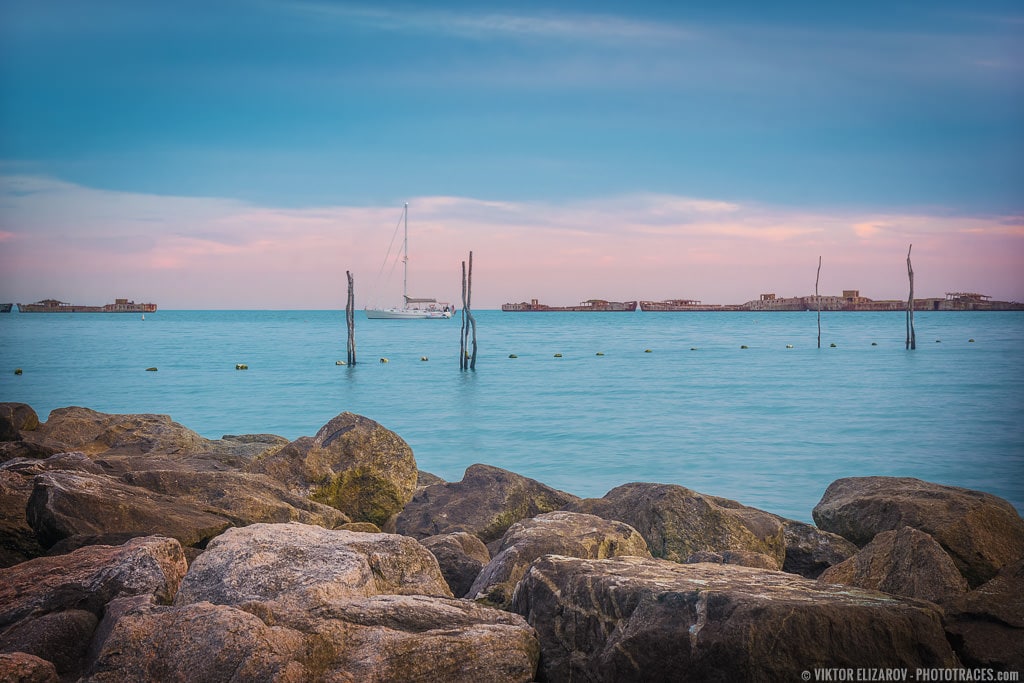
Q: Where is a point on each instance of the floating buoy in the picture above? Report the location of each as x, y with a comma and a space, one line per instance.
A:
874, 343
384, 360
150, 369
599, 353
744, 347
832, 345
789, 346
647, 351
17, 371
558, 355
938, 341
512, 355
970, 341
693, 348
339, 362
241, 366
424, 358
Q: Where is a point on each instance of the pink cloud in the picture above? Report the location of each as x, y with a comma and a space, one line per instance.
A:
69, 241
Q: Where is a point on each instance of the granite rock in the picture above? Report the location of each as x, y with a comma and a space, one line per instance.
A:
986, 625
485, 503
980, 531
561, 533
352, 464
65, 504
20, 667
904, 562
461, 556
632, 618
810, 551
678, 522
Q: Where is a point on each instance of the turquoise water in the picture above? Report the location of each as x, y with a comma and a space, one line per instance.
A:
768, 426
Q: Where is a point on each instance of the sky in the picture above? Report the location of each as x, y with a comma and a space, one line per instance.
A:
244, 155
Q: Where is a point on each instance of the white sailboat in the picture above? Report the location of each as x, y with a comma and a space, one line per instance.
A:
412, 308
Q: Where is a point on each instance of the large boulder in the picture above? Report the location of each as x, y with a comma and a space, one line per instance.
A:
297, 567
367, 607
461, 556
632, 618
904, 562
986, 625
377, 639
65, 504
743, 558
981, 532
93, 433
123, 443
485, 503
241, 497
19, 667
18, 540
560, 533
353, 464
810, 551
16, 418
678, 522
50, 607
198, 642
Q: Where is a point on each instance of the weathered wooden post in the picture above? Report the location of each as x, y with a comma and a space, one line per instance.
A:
350, 319
817, 300
467, 360
911, 338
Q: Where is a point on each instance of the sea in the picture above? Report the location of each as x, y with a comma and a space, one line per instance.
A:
743, 405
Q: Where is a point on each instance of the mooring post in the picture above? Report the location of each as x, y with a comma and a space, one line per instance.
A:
467, 360
817, 299
350, 318
911, 337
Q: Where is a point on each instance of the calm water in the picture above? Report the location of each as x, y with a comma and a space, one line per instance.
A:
768, 426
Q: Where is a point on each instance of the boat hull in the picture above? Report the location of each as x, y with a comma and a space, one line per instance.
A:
406, 314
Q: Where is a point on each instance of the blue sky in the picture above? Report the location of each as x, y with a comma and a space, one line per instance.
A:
795, 114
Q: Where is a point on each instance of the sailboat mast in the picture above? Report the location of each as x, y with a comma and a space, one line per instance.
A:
405, 259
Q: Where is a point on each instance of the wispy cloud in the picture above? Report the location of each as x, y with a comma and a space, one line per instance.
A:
486, 25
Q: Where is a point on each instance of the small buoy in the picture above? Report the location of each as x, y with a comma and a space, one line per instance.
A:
558, 355
599, 353
789, 346
241, 366
150, 369
744, 347
339, 362
647, 351
938, 341
512, 355
970, 341
17, 371
832, 345
424, 358
874, 343
693, 348
384, 360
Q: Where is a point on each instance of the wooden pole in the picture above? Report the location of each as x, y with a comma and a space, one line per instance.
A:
350, 318
911, 337
817, 299
469, 310
467, 361
462, 329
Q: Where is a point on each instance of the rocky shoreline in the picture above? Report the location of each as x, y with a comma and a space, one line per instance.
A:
134, 549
